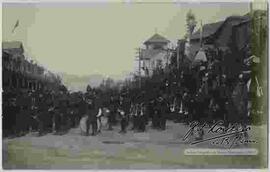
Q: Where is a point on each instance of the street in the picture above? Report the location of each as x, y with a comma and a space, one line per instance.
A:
134, 85
152, 149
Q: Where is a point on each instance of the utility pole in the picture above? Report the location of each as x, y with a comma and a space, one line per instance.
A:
139, 57
177, 53
201, 35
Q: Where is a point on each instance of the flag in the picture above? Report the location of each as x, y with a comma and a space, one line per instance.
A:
15, 26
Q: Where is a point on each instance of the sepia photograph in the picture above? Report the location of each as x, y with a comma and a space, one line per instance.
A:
149, 85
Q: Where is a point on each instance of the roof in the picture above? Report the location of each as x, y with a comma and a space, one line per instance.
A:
12, 45
156, 38
212, 28
208, 30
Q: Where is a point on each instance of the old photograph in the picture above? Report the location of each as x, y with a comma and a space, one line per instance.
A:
135, 85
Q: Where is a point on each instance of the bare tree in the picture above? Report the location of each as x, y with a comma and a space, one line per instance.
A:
190, 22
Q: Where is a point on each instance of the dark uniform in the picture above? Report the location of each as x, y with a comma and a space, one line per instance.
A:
133, 113
199, 106
160, 109
156, 114
223, 101
124, 110
63, 112
41, 108
163, 117
49, 113
92, 112
112, 112
240, 98
136, 117
141, 118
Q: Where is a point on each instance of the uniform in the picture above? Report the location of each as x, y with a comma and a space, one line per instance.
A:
125, 107
156, 114
92, 120
163, 115
111, 114
141, 119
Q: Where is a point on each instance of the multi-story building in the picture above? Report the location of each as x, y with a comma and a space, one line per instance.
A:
155, 55
20, 73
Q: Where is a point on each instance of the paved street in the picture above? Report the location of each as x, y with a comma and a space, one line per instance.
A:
150, 150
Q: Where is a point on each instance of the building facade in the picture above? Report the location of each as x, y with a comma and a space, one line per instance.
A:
20, 73
215, 35
155, 55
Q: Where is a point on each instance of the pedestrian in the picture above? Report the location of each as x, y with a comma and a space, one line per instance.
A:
110, 120
99, 123
111, 113
141, 118
199, 112
185, 105
156, 115
240, 99
163, 114
133, 113
138, 118
123, 119
92, 120
41, 114
56, 120
223, 99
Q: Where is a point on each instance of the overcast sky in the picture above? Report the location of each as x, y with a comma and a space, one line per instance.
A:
91, 38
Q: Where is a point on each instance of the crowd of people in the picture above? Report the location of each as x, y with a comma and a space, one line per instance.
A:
204, 92
211, 90
39, 110
123, 110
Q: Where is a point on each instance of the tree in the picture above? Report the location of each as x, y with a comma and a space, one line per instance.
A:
88, 88
185, 36
190, 22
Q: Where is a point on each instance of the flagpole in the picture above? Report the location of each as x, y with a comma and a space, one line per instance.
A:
15, 26
201, 35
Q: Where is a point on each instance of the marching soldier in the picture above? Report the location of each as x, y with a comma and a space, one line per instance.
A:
137, 117
123, 122
99, 123
163, 115
141, 118
98, 111
111, 113
122, 115
41, 114
132, 115
156, 114
63, 110
92, 119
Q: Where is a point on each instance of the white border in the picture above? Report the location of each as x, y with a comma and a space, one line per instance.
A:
130, 1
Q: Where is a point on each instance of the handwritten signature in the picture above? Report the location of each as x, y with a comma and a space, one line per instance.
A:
230, 136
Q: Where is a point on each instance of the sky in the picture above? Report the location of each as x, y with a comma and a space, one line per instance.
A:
100, 38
